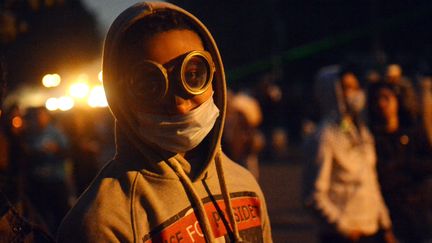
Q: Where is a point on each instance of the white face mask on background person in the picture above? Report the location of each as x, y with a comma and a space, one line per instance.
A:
179, 133
356, 101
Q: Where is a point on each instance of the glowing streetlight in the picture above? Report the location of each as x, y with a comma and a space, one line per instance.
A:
51, 104
65, 103
51, 80
100, 76
97, 97
79, 90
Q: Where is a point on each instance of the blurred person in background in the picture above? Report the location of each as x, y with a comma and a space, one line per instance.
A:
372, 76
426, 104
394, 75
341, 183
46, 153
85, 146
404, 163
12, 123
4, 144
13, 226
169, 180
269, 96
242, 141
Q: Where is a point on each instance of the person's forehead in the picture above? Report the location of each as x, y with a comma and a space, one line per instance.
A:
349, 80
164, 46
394, 70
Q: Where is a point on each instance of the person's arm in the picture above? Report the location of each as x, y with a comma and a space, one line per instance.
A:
329, 212
324, 162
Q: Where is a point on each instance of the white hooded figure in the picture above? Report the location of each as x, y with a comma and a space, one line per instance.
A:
169, 180
242, 140
341, 178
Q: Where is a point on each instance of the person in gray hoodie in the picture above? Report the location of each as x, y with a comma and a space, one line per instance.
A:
341, 180
169, 180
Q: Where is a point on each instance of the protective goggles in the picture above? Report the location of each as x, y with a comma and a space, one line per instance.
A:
190, 73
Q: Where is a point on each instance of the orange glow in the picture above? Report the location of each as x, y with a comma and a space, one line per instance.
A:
17, 122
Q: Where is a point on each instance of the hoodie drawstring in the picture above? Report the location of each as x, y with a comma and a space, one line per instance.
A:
226, 197
201, 214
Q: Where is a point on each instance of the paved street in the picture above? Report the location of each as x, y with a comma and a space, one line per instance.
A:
281, 183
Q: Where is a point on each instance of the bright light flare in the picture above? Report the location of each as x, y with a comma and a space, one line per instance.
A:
65, 103
83, 78
79, 90
100, 76
97, 97
51, 80
51, 104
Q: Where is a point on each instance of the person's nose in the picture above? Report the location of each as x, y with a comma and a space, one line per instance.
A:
180, 105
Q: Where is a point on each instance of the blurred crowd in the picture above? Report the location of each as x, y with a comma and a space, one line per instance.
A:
368, 163
48, 159
367, 158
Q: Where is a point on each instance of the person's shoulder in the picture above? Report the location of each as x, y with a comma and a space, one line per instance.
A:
233, 167
241, 183
237, 175
105, 202
327, 130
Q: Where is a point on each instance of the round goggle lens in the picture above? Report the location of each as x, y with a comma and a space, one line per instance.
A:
148, 82
196, 73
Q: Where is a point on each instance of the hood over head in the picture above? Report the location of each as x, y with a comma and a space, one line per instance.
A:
328, 91
130, 142
115, 66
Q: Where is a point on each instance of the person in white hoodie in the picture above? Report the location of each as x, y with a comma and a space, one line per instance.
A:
170, 180
343, 186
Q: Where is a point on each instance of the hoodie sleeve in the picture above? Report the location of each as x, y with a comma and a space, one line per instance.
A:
384, 217
102, 213
324, 162
266, 224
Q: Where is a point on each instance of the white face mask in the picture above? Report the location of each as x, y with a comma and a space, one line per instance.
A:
179, 133
356, 102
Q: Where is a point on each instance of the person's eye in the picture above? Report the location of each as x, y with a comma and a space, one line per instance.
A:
192, 74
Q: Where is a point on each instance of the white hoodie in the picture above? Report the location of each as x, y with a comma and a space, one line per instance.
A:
342, 169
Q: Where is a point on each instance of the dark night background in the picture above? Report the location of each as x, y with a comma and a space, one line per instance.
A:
278, 42
334, 30
285, 42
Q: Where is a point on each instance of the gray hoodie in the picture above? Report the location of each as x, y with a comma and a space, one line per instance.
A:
147, 195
